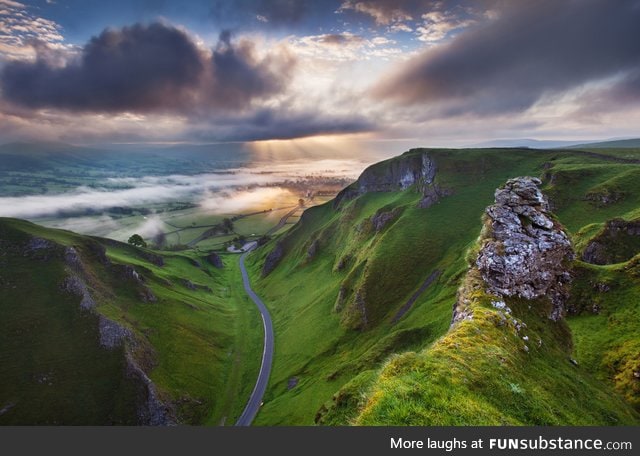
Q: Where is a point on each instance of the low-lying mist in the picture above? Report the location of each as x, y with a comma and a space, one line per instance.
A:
228, 191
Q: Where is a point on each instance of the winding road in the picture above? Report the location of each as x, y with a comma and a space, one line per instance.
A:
255, 400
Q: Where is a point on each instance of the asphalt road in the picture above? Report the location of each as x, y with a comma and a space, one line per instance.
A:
252, 407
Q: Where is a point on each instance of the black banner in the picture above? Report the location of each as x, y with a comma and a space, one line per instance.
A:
267, 441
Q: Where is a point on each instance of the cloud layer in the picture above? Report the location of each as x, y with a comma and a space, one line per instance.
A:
425, 70
145, 68
529, 51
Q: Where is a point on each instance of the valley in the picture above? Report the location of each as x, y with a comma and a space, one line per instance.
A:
361, 287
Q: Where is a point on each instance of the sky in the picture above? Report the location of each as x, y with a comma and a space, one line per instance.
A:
280, 72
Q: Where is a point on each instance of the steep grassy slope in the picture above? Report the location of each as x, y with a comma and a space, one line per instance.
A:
87, 323
488, 372
605, 322
377, 274
507, 357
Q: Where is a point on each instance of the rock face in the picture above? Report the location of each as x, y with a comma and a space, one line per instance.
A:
153, 258
151, 409
525, 252
112, 334
381, 219
273, 259
214, 259
619, 241
75, 285
313, 249
393, 175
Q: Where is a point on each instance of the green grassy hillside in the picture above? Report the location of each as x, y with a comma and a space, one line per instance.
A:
188, 327
348, 297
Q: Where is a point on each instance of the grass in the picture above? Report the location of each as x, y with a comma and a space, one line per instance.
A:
333, 353
53, 369
480, 373
339, 356
190, 341
606, 302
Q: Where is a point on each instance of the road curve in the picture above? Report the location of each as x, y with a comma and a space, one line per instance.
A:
255, 400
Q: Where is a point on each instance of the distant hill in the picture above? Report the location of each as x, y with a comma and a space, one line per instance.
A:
614, 144
552, 144
530, 143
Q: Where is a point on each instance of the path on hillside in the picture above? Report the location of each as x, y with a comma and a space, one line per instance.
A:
255, 400
283, 221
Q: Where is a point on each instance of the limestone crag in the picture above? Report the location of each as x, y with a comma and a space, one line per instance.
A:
618, 241
525, 252
394, 175
273, 258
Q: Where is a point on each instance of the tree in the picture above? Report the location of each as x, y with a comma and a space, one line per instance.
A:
227, 225
137, 240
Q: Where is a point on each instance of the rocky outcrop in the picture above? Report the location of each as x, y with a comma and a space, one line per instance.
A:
75, 285
112, 334
382, 218
99, 252
396, 174
524, 252
152, 258
129, 273
604, 197
313, 249
152, 411
619, 241
188, 284
146, 295
272, 259
343, 262
361, 307
36, 243
341, 298
215, 260
194, 286
41, 249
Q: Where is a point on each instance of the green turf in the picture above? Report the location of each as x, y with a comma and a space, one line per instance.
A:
344, 353
191, 342
324, 344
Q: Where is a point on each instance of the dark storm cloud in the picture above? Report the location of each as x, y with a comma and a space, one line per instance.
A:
281, 124
147, 68
238, 76
532, 49
135, 68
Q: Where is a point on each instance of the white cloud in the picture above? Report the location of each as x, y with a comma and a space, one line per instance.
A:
381, 13
437, 25
21, 32
400, 28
